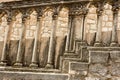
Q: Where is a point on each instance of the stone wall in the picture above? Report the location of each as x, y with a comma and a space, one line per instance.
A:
62, 25
103, 65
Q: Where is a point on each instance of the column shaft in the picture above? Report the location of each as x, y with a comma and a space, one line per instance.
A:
21, 46
6, 45
34, 55
69, 32
99, 29
114, 29
51, 44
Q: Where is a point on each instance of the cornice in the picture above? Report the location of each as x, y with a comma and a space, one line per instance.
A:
35, 3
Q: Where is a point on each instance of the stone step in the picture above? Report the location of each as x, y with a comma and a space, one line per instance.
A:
16, 75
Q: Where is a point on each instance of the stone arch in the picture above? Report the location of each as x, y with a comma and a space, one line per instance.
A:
31, 24
107, 23
91, 21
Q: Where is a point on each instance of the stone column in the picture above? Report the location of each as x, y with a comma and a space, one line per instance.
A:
21, 44
83, 33
98, 41
34, 55
69, 33
115, 25
6, 45
51, 44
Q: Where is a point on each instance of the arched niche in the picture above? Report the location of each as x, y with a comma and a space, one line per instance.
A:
3, 26
47, 23
31, 25
62, 24
107, 23
91, 25
16, 27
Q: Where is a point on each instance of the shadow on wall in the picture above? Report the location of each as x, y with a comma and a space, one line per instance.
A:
42, 51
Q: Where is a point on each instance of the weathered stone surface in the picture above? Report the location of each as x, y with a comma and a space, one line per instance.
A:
115, 56
60, 46
32, 76
92, 78
98, 69
78, 68
99, 57
1, 48
106, 37
28, 52
115, 69
43, 54
13, 52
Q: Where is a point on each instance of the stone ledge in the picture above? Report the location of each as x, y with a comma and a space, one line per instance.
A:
103, 48
13, 75
27, 69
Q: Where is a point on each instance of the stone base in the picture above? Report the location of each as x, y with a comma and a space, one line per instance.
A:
114, 44
98, 44
3, 63
49, 66
18, 64
33, 65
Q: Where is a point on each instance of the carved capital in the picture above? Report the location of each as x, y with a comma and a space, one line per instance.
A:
99, 11
56, 11
78, 9
100, 7
9, 16
25, 14
39, 11
115, 7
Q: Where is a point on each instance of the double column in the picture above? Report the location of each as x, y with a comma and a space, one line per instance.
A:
83, 30
115, 10
34, 62
21, 45
6, 46
98, 40
70, 27
52, 41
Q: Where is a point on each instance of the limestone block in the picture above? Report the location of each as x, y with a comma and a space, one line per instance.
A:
33, 27
115, 56
92, 16
90, 21
78, 68
98, 69
32, 76
115, 69
105, 18
109, 24
99, 57
92, 78
108, 12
